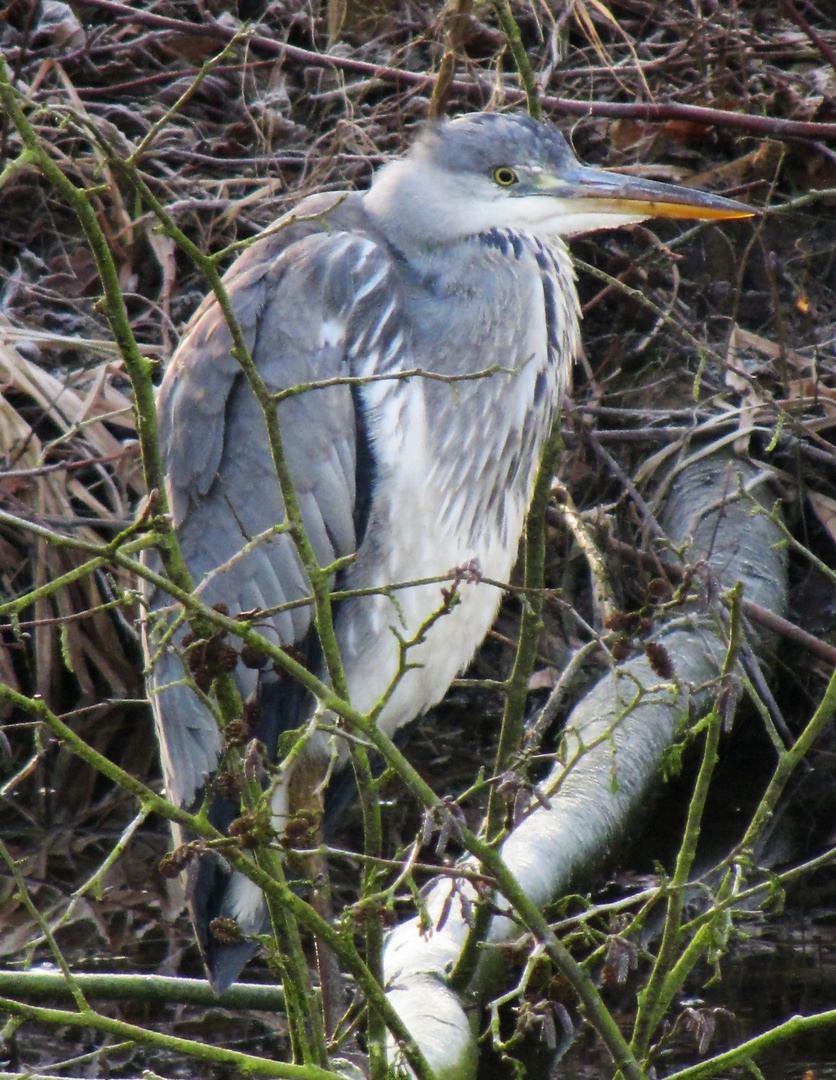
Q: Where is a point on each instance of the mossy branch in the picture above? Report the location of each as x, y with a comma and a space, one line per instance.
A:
793, 1028
788, 762
531, 625
207, 264
152, 990
247, 1064
198, 826
506, 20
668, 971
516, 687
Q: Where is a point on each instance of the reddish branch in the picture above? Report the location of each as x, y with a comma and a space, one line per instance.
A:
772, 621
827, 51
478, 89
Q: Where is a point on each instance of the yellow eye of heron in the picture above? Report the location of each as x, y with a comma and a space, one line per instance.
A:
505, 176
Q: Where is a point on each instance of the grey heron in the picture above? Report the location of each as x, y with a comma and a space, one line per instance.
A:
454, 262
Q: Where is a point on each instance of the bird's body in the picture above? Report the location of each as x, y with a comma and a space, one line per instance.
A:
413, 477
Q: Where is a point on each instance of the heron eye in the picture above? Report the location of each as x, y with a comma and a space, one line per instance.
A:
505, 176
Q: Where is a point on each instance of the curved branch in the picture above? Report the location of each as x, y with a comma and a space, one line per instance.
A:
482, 91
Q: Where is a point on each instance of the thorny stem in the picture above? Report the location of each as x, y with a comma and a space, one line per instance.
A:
78, 573
304, 1015
393, 376
94, 882
713, 929
516, 993
450, 598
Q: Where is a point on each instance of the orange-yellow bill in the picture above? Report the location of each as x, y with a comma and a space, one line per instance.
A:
598, 198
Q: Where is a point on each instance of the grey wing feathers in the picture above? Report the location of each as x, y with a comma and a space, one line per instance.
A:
293, 293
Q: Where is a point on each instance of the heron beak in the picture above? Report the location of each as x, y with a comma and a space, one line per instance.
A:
596, 199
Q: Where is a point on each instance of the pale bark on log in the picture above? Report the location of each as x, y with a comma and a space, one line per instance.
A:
614, 750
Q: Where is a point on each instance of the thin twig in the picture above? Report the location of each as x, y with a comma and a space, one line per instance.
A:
482, 90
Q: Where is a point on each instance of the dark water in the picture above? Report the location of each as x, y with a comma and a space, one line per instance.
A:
783, 968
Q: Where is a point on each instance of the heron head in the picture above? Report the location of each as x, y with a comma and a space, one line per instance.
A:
492, 170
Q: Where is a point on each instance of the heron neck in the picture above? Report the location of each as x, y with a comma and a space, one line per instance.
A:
411, 221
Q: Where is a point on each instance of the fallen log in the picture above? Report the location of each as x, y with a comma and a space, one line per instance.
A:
614, 743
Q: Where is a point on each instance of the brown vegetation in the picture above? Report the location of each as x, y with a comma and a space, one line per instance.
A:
693, 339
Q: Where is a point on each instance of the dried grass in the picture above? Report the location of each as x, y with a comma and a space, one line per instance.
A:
759, 310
